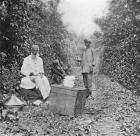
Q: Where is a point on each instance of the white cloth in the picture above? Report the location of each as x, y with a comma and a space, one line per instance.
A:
26, 83
69, 81
37, 102
35, 66
43, 85
30, 65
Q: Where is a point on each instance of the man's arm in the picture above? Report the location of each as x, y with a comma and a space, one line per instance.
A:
41, 68
25, 68
93, 61
80, 55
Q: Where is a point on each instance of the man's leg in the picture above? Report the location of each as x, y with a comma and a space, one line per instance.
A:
41, 84
46, 84
86, 83
90, 76
85, 79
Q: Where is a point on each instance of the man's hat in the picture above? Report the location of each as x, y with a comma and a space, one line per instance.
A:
87, 41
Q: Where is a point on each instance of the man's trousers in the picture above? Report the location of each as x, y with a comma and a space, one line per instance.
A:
87, 80
43, 85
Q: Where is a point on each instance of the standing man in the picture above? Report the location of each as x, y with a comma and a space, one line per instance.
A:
87, 64
33, 71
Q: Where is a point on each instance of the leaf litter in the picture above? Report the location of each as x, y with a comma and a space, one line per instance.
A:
112, 111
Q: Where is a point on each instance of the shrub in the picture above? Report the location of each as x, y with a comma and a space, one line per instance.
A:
120, 38
122, 64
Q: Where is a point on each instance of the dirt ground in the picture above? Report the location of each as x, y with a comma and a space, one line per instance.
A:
111, 111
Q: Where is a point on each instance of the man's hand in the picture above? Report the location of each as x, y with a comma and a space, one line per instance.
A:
90, 69
41, 75
78, 59
31, 74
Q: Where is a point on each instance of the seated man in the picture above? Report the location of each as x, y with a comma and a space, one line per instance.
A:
33, 71
57, 72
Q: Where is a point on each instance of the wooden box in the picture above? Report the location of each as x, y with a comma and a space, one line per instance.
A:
67, 101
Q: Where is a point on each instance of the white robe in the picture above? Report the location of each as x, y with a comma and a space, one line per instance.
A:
35, 66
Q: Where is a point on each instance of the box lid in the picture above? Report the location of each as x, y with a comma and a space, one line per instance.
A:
68, 88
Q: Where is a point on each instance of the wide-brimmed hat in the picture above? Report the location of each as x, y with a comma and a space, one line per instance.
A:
26, 83
87, 41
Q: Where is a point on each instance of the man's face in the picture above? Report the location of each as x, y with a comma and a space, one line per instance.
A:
35, 50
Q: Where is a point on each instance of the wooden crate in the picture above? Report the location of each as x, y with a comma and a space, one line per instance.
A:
67, 101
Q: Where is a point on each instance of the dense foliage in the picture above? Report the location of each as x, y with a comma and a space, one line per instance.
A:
121, 42
27, 22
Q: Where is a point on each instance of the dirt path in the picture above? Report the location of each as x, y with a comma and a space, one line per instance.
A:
119, 109
111, 111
